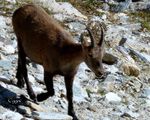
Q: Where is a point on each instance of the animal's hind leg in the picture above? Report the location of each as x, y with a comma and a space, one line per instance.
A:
48, 79
22, 72
19, 74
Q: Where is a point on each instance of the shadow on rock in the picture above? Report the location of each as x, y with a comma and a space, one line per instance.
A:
10, 100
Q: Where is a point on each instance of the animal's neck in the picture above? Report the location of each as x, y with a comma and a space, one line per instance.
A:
79, 55
74, 53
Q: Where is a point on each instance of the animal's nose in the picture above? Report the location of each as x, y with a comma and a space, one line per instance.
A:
103, 75
100, 73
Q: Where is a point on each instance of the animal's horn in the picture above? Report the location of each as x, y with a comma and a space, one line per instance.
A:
91, 37
102, 36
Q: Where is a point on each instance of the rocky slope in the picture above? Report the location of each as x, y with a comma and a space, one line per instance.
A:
123, 95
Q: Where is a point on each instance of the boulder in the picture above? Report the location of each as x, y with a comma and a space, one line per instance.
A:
130, 69
9, 115
60, 7
109, 59
113, 97
50, 116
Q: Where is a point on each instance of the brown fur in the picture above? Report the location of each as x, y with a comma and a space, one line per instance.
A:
45, 42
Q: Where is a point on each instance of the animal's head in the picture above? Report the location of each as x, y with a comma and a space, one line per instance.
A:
94, 50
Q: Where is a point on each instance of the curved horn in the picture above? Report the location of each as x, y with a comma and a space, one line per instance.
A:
91, 37
81, 38
102, 36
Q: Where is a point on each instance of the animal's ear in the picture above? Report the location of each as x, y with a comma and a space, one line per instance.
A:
84, 41
91, 37
96, 33
88, 43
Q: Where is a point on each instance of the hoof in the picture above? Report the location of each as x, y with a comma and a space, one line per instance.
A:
43, 96
33, 97
25, 98
20, 84
35, 101
73, 116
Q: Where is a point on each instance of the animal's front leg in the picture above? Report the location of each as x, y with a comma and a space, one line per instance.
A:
48, 79
69, 88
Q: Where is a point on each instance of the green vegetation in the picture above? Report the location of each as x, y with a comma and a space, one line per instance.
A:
62, 0
101, 92
88, 92
6, 8
20, 3
143, 17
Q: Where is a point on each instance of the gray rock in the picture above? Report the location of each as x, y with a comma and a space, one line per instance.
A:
24, 110
17, 90
63, 103
79, 93
2, 23
105, 7
3, 27
148, 6
81, 72
5, 64
147, 102
2, 110
61, 17
31, 79
109, 83
11, 1
130, 69
146, 57
25, 118
92, 86
3, 84
122, 18
35, 106
130, 114
112, 69
76, 26
97, 18
133, 26
9, 115
40, 68
113, 97
37, 89
122, 6
106, 118
5, 79
111, 78
146, 93
109, 59
61, 7
6, 93
39, 78
2, 39
143, 5
104, 17
50, 116
9, 49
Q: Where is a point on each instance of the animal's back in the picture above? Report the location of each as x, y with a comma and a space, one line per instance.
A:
38, 33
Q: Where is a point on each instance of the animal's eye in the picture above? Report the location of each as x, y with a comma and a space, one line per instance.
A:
97, 64
90, 55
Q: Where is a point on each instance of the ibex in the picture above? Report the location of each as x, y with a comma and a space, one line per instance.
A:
45, 42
